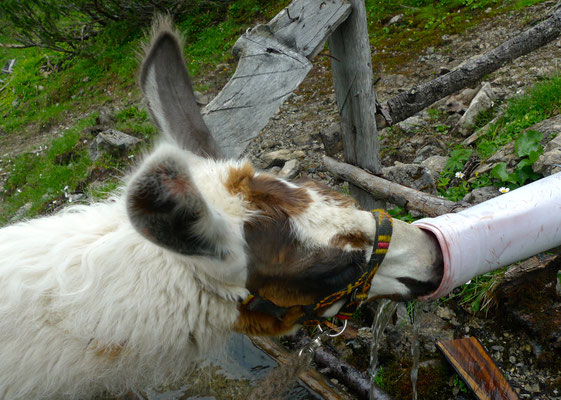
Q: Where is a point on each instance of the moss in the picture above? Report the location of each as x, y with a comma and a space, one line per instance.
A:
432, 382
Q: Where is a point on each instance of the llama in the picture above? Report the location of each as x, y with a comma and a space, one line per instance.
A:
133, 291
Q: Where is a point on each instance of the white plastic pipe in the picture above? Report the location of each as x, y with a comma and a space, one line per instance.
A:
498, 232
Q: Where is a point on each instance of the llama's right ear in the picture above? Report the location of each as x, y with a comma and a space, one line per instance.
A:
168, 91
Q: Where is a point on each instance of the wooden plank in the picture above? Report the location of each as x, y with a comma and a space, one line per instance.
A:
305, 25
477, 369
354, 89
273, 61
267, 74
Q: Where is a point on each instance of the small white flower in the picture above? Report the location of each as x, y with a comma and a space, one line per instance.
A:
459, 175
504, 189
468, 282
65, 188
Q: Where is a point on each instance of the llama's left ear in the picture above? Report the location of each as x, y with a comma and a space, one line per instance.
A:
165, 206
167, 88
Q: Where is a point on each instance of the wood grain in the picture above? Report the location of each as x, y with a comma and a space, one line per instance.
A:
477, 369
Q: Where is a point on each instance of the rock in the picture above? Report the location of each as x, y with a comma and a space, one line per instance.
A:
550, 161
445, 313
302, 139
9, 66
424, 153
481, 194
21, 212
280, 157
412, 175
201, 99
112, 141
482, 102
412, 124
104, 117
436, 164
396, 19
331, 138
290, 169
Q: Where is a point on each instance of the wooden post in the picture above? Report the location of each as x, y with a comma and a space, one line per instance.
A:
351, 65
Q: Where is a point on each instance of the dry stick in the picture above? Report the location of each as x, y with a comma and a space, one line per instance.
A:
403, 196
416, 99
313, 379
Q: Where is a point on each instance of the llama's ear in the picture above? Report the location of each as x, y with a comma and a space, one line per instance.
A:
165, 206
168, 91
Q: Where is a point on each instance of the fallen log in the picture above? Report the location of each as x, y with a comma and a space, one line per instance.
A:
416, 99
312, 378
403, 196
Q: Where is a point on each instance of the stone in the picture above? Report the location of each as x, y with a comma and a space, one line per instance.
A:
445, 313
412, 124
276, 158
104, 117
482, 102
481, 194
113, 142
436, 164
302, 139
9, 66
21, 212
332, 139
290, 169
396, 19
201, 99
550, 161
412, 175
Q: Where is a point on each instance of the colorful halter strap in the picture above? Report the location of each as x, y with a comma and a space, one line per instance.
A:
355, 292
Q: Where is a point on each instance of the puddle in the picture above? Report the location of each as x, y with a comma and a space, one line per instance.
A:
230, 377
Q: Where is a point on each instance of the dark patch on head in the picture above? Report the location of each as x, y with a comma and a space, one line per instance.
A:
286, 272
165, 208
418, 288
266, 193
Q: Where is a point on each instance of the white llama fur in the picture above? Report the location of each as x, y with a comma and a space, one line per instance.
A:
88, 304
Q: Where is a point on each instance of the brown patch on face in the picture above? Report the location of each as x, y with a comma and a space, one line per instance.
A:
285, 296
356, 240
258, 323
340, 199
267, 193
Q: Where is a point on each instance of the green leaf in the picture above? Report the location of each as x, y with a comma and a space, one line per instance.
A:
534, 155
527, 142
499, 171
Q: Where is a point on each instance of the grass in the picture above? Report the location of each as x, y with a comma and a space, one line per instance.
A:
424, 23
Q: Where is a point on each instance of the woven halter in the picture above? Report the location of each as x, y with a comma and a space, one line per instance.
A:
354, 292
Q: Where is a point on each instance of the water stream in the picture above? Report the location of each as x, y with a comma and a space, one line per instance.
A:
415, 309
386, 309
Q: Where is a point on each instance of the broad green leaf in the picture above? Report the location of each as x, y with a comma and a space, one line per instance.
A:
527, 142
499, 171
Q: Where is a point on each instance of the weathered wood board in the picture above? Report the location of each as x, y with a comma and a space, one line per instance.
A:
353, 80
273, 61
477, 369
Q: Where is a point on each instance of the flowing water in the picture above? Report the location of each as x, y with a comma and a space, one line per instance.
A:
386, 309
415, 349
